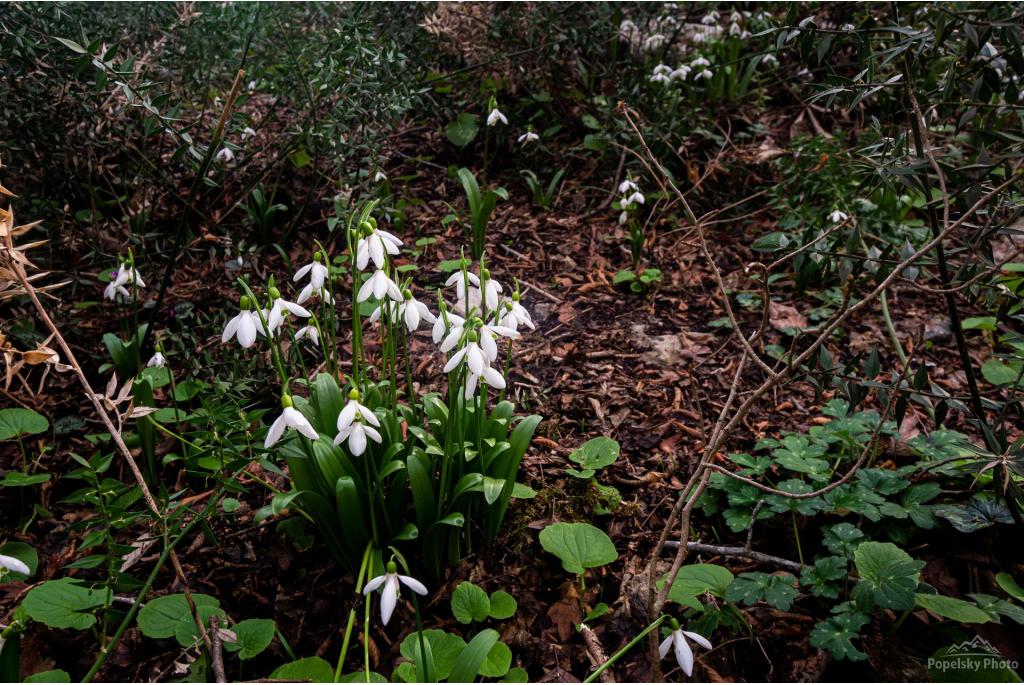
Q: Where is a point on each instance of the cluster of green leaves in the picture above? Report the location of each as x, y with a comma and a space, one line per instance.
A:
592, 456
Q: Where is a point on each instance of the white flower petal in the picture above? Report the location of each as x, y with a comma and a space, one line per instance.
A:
413, 584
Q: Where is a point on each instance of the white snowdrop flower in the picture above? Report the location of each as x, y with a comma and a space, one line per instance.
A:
677, 640
355, 434
770, 59
489, 333
16, 565
248, 132
623, 218
660, 78
703, 74
281, 308
290, 418
735, 17
734, 29
710, 18
637, 198
680, 73
515, 315
374, 244
496, 117
378, 311
390, 584
700, 62
626, 29
528, 137
847, 27
412, 311
492, 291
224, 155
309, 332
157, 360
244, 325
353, 410
380, 177
309, 291
122, 278
627, 186
452, 330
699, 38
654, 42
318, 273
379, 285
252, 86
838, 216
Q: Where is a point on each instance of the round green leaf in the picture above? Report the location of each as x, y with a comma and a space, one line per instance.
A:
470, 603
596, 453
230, 505
186, 632
578, 545
444, 647
498, 661
65, 603
463, 130
254, 635
888, 576
503, 605
58, 675
696, 579
160, 617
311, 669
17, 421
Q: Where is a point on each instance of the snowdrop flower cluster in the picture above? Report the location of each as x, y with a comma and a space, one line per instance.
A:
390, 584
677, 641
122, 278
631, 198
702, 64
662, 74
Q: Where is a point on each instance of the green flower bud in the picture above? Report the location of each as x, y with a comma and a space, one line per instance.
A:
392, 567
366, 229
353, 394
515, 296
317, 256
372, 222
673, 624
472, 336
407, 294
286, 401
244, 303
485, 274
274, 293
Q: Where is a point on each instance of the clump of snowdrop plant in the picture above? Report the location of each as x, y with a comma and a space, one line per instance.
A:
125, 282
379, 462
629, 206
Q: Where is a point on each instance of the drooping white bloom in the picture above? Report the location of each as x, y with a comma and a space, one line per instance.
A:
655, 42
680, 73
318, 273
122, 278
454, 329
770, 59
626, 29
224, 155
290, 418
248, 132
244, 325
628, 185
637, 198
703, 74
528, 137
157, 360
515, 315
390, 584
683, 652
710, 18
468, 299
310, 332
375, 245
356, 435
838, 216
379, 285
496, 117
623, 217
281, 309
412, 311
12, 564
309, 291
379, 177
700, 62
661, 74
353, 409
735, 16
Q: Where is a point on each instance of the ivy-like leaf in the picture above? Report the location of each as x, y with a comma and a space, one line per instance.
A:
837, 633
888, 576
751, 588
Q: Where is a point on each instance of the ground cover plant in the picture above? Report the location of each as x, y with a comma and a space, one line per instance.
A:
511, 342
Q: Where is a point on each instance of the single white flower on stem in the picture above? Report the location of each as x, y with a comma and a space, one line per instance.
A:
452, 330
380, 177
710, 18
637, 198
700, 62
677, 640
496, 117
224, 155
379, 285
489, 334
838, 216
680, 73
281, 308
623, 218
516, 315
627, 186
374, 244
123, 277
703, 74
379, 310
661, 74
354, 409
318, 273
309, 331
16, 565
528, 137
412, 311
390, 583
244, 325
492, 290
248, 132
290, 418
309, 291
356, 423
157, 360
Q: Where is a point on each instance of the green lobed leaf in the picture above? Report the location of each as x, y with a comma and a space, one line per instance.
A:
160, 617
596, 453
503, 605
254, 635
578, 545
310, 669
65, 603
888, 576
17, 421
470, 603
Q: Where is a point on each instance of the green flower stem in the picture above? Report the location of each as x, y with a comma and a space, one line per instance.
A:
352, 613
619, 654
